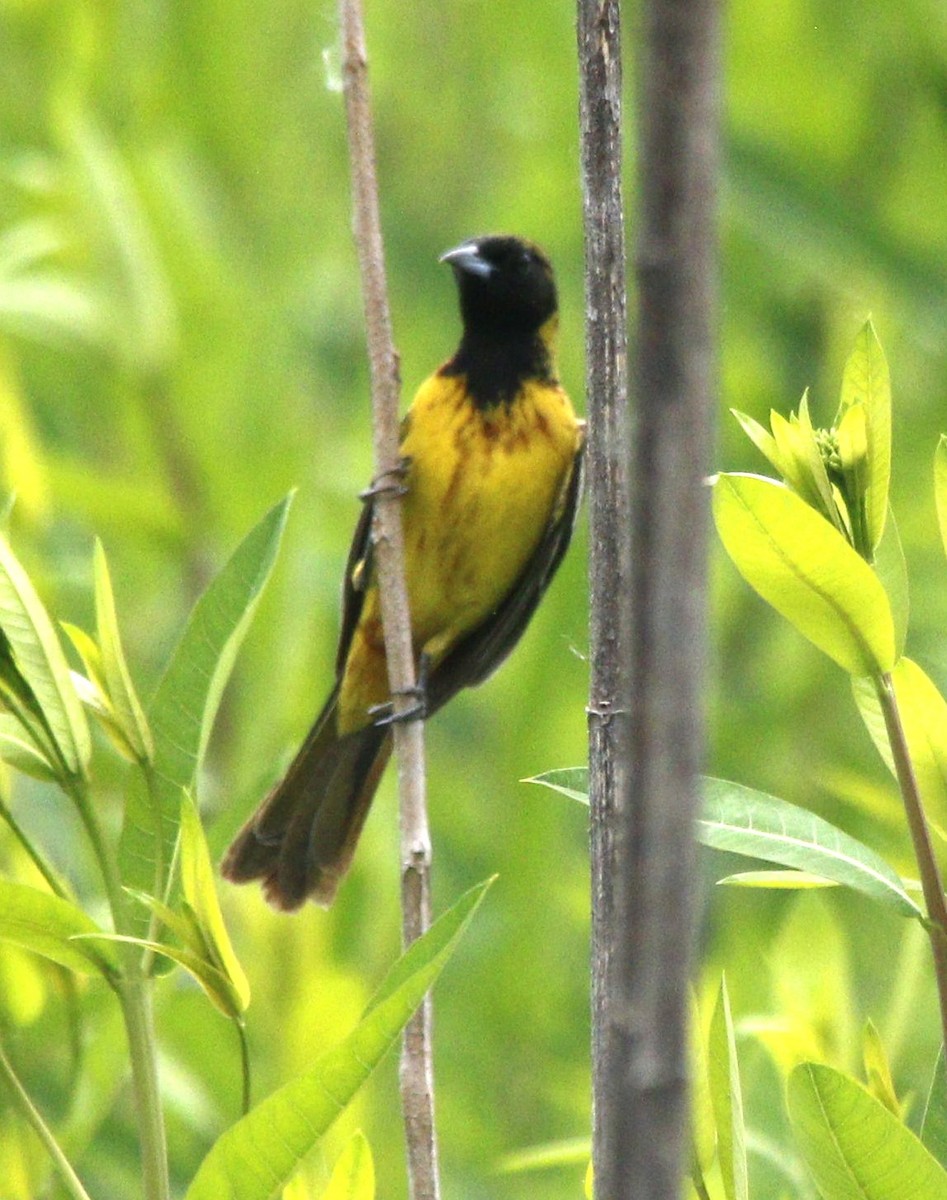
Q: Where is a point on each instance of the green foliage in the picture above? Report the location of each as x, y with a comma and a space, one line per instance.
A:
856, 1148
259, 1154
176, 174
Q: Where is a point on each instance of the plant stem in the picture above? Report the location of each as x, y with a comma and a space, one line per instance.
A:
35, 857
34, 1117
931, 881
135, 993
417, 1070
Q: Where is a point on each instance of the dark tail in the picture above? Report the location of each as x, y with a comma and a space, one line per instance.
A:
301, 839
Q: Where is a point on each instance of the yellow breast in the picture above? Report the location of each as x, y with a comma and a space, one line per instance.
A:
482, 488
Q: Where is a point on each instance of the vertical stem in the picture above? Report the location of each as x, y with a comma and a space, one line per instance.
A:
643, 766
136, 995
931, 882
675, 269
71, 1181
135, 992
609, 491
417, 1072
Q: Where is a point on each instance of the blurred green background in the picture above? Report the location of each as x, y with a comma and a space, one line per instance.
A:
181, 343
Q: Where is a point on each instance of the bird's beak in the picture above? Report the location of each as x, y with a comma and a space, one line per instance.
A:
467, 257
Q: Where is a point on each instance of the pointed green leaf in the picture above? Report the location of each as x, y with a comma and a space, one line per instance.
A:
47, 925
256, 1156
763, 440
129, 714
745, 821
854, 1147
866, 382
216, 985
878, 1070
18, 749
934, 1123
185, 704
806, 570
891, 569
197, 882
940, 486
353, 1177
569, 781
727, 1098
182, 924
777, 880
923, 712
703, 1121
40, 660
564, 1153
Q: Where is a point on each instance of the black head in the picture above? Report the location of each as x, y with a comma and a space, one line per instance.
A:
506, 285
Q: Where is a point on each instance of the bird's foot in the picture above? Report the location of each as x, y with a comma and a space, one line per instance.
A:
390, 482
384, 714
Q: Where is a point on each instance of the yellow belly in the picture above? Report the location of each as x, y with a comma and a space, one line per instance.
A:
483, 487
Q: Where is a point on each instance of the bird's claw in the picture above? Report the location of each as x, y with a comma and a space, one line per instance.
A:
390, 482
384, 714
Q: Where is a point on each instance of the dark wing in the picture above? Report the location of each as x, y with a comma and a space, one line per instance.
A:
357, 573
483, 649
358, 568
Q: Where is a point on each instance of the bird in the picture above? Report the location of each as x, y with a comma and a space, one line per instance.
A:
491, 468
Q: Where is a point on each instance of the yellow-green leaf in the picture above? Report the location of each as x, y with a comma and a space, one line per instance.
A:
197, 881
727, 1098
129, 714
923, 712
878, 1070
51, 926
854, 1147
866, 382
354, 1175
940, 486
40, 659
806, 570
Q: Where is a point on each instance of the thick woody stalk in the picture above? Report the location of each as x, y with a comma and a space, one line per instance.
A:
608, 471
648, 598
417, 1078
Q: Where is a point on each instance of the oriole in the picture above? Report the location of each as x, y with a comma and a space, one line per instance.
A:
491, 452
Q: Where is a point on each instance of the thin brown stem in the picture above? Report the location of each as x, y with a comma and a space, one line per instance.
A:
417, 1074
931, 881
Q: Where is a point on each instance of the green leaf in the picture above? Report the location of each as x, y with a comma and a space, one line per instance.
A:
923, 713
940, 486
744, 821
39, 658
808, 572
197, 882
866, 382
126, 707
48, 925
18, 748
218, 988
934, 1122
564, 1153
878, 1070
703, 1122
891, 569
569, 781
353, 1177
185, 704
727, 1098
777, 880
256, 1156
854, 1147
